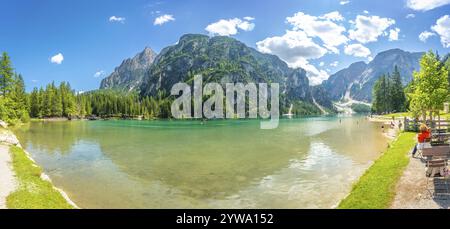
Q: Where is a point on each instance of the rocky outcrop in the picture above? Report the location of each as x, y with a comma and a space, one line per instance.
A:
128, 76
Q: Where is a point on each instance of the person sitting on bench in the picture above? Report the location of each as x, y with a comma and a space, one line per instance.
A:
422, 137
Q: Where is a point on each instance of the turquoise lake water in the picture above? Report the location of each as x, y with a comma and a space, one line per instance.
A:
304, 163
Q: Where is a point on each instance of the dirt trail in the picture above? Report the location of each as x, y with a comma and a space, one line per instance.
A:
7, 178
412, 190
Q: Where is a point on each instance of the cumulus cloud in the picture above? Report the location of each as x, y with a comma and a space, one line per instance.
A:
369, 28
99, 73
334, 64
230, 27
393, 34
442, 28
295, 48
163, 19
425, 5
423, 36
315, 76
117, 19
357, 50
249, 18
57, 59
410, 16
344, 2
321, 64
324, 27
291, 47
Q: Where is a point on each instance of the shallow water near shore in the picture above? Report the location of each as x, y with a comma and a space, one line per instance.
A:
304, 163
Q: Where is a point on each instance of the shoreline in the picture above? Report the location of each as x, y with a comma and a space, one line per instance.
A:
376, 188
8, 140
393, 133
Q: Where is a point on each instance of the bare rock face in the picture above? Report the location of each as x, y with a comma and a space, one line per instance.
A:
128, 76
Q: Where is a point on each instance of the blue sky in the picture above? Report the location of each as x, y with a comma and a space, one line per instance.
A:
83, 41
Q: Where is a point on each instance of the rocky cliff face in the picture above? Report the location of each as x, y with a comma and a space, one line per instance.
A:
128, 76
356, 81
338, 83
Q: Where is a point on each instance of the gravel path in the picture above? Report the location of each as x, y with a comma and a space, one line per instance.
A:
7, 178
412, 189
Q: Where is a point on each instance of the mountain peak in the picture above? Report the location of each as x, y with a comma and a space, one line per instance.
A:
130, 73
192, 36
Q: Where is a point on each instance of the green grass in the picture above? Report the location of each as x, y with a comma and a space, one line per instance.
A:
32, 192
376, 188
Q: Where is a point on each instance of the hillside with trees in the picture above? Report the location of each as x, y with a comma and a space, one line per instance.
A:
425, 94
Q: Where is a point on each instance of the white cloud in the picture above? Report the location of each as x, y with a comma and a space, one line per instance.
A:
117, 19
369, 28
163, 19
410, 16
295, 48
423, 36
333, 16
344, 2
57, 59
442, 28
99, 73
393, 34
229, 27
366, 12
249, 18
334, 64
291, 47
357, 50
321, 64
246, 26
315, 76
323, 27
424, 5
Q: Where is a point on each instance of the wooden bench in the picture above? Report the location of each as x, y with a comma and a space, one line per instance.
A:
437, 186
436, 151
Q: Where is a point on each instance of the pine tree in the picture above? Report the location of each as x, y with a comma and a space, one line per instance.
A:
398, 98
35, 104
56, 102
6, 75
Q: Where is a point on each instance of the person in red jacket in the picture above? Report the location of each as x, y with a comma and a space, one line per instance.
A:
423, 136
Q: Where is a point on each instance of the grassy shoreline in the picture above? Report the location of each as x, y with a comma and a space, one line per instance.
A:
376, 188
32, 192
